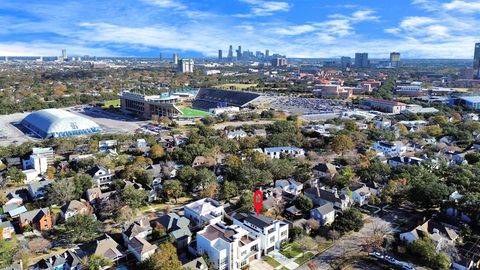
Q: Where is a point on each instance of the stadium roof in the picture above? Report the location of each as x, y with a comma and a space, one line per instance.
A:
58, 123
209, 98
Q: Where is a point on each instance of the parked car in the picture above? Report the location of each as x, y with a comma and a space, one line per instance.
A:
392, 260
407, 266
376, 255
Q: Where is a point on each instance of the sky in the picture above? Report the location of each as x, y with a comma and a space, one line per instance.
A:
197, 28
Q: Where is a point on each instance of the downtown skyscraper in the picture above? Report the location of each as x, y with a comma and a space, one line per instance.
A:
476, 61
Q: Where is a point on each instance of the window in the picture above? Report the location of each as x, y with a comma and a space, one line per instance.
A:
244, 253
284, 233
272, 239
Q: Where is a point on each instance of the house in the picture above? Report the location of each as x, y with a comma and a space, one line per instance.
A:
204, 211
69, 260
108, 248
76, 207
321, 196
236, 134
441, 234
382, 123
37, 163
140, 228
271, 233
260, 132
178, 229
197, 264
361, 193
13, 210
277, 152
471, 116
289, 186
37, 190
141, 248
200, 161
107, 144
31, 175
15, 266
453, 211
460, 262
389, 149
141, 144
325, 170
324, 214
7, 230
38, 219
101, 175
228, 247
13, 198
399, 161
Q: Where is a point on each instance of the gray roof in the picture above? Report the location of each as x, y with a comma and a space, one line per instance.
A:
34, 215
15, 266
197, 264
36, 186
140, 245
260, 221
324, 209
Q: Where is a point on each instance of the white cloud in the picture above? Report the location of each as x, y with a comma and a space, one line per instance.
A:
463, 6
264, 8
294, 30
175, 4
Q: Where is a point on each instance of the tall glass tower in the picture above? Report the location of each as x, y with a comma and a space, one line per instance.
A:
476, 61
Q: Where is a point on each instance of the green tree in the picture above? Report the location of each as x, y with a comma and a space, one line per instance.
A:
426, 251
342, 143
8, 248
349, 220
345, 177
165, 258
96, 262
304, 203
82, 228
16, 175
205, 177
156, 152
61, 192
428, 194
246, 201
173, 188
229, 190
134, 198
187, 175
82, 183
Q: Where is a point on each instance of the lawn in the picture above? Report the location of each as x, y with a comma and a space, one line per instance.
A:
272, 261
300, 260
189, 112
114, 103
291, 251
238, 86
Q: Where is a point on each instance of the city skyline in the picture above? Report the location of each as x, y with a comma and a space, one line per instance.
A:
330, 29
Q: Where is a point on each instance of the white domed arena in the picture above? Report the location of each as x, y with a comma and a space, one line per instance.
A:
56, 123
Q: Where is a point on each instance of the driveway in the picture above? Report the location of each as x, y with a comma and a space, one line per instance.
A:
346, 243
260, 265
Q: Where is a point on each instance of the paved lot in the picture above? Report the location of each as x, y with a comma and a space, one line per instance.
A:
260, 265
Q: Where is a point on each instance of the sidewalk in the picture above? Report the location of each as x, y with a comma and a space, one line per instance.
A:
284, 261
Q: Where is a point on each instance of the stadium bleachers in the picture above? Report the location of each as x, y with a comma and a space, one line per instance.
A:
208, 98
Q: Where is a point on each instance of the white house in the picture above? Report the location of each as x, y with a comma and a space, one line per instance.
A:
272, 233
389, 149
324, 214
204, 211
36, 162
237, 134
439, 233
382, 123
31, 175
228, 247
289, 186
471, 116
101, 175
76, 207
277, 152
361, 193
399, 161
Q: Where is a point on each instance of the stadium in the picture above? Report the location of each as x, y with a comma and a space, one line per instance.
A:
54, 123
208, 98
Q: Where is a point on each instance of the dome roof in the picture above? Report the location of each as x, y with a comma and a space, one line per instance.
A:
58, 123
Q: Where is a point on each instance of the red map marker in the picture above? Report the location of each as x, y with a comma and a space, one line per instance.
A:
258, 201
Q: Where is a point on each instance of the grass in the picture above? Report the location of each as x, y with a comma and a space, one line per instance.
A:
189, 112
324, 246
291, 251
284, 268
114, 103
272, 261
304, 258
238, 86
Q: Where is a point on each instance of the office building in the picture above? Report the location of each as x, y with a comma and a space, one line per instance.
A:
230, 53
175, 59
185, 65
395, 59
383, 105
239, 53
160, 56
267, 53
279, 62
476, 61
64, 54
148, 106
361, 60
220, 56
345, 61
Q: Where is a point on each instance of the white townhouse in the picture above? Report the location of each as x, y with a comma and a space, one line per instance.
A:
228, 247
272, 233
389, 149
277, 152
204, 211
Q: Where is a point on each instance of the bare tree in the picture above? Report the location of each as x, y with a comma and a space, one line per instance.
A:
313, 224
61, 192
375, 237
38, 244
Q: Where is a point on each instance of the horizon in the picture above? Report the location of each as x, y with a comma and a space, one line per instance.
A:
418, 29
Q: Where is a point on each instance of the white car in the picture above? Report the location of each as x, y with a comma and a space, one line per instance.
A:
407, 266
376, 255
392, 260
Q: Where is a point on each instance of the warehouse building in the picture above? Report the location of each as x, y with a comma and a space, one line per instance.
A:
55, 123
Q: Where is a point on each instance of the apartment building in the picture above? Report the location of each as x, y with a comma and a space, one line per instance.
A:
228, 247
204, 211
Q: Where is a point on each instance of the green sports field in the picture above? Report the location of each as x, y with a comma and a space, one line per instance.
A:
114, 103
189, 112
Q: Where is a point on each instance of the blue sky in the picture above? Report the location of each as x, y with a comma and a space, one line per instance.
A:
297, 28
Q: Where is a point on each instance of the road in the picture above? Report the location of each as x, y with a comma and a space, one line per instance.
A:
347, 243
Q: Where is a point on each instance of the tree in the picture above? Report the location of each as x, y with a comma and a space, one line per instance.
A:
342, 143
96, 262
51, 172
229, 190
82, 183
313, 224
204, 177
349, 220
3, 198
427, 253
210, 191
402, 129
134, 198
345, 177
165, 258
187, 175
15, 175
246, 201
304, 203
38, 244
82, 228
375, 236
156, 152
158, 231
61, 192
281, 168
7, 250
173, 188
428, 194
